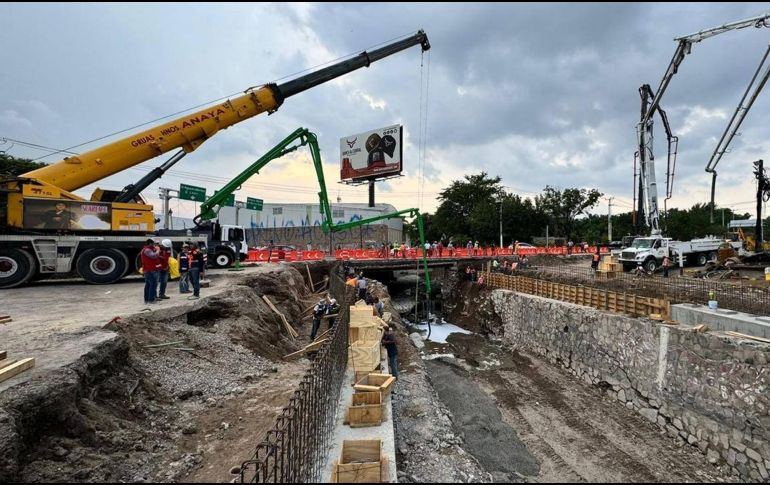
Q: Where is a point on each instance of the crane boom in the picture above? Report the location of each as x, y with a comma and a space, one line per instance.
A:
190, 131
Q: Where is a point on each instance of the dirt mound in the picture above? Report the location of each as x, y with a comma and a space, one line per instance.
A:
471, 310
155, 403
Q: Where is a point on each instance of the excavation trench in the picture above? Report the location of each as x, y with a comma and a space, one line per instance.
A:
505, 414
181, 394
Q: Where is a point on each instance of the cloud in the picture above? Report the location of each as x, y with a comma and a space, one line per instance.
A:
539, 94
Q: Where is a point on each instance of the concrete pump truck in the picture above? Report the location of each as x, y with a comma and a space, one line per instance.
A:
650, 251
46, 229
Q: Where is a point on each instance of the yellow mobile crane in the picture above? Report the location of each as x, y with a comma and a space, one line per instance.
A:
45, 228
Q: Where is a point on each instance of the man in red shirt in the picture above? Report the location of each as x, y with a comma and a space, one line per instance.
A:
165, 253
150, 264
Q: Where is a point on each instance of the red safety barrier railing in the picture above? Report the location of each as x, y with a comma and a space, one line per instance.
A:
261, 255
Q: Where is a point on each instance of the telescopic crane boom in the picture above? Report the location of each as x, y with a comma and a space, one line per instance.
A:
190, 131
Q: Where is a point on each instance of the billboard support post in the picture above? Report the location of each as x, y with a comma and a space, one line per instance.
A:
371, 193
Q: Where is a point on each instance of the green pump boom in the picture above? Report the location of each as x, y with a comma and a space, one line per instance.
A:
299, 138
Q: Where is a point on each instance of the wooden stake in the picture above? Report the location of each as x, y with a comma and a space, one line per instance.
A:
310, 278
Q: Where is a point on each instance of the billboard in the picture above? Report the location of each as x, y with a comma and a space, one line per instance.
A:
66, 215
372, 154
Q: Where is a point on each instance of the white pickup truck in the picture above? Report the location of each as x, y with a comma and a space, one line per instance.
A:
650, 251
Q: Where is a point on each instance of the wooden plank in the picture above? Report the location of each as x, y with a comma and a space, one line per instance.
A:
361, 451
310, 278
364, 355
375, 383
359, 472
308, 348
323, 335
292, 333
365, 415
366, 398
750, 337
17, 368
3, 354
6, 363
703, 328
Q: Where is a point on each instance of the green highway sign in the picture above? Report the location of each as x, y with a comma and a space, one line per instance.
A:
254, 204
230, 202
191, 192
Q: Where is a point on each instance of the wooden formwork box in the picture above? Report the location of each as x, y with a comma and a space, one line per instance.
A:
366, 409
358, 375
369, 333
374, 382
361, 313
361, 461
364, 355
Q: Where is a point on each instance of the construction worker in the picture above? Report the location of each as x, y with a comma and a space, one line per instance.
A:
666, 265
595, 260
319, 310
332, 310
197, 266
184, 269
165, 254
379, 307
389, 341
150, 256
362, 284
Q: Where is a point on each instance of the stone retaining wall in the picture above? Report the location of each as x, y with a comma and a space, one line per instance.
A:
708, 390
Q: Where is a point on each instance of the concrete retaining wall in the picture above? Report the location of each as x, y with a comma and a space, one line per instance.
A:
708, 390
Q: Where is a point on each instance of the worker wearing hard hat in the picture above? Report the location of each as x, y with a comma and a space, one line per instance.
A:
165, 253
318, 311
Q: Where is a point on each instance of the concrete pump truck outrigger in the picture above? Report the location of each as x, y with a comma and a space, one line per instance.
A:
40, 232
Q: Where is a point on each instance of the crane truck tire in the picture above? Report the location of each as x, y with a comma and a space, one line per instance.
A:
102, 266
701, 259
223, 259
651, 265
713, 256
17, 267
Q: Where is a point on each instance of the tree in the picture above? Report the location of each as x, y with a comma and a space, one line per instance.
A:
11, 166
563, 206
467, 209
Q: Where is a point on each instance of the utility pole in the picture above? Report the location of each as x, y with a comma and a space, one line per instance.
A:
165, 197
609, 219
501, 222
238, 207
761, 187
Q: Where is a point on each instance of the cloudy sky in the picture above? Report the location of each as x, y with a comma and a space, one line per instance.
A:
538, 94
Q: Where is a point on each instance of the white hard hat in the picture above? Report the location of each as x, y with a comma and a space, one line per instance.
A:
333, 301
166, 243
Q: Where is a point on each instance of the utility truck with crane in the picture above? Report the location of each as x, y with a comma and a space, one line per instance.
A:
650, 251
47, 229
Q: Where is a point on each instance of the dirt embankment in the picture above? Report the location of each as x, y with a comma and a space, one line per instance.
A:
186, 411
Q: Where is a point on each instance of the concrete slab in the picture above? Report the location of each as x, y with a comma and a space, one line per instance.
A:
384, 432
721, 319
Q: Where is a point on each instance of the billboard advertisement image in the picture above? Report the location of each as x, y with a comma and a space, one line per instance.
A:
66, 215
372, 154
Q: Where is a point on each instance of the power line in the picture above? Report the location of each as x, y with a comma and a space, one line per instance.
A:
208, 103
